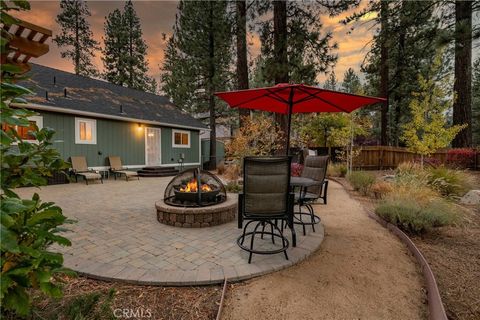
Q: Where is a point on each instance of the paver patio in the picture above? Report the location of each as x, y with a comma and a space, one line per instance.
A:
118, 237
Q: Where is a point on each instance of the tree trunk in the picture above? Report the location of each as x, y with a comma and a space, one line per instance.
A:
462, 106
384, 71
242, 66
211, 90
399, 65
77, 40
281, 58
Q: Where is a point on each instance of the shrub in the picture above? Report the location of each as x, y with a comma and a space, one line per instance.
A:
296, 169
361, 181
450, 182
233, 187
411, 174
415, 217
461, 158
221, 168
232, 172
381, 188
336, 170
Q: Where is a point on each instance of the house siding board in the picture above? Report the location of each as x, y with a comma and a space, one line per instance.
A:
116, 138
171, 155
206, 151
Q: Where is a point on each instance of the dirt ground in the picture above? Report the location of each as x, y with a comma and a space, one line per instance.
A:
129, 301
361, 271
454, 255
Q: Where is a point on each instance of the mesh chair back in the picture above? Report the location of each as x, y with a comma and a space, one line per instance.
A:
79, 164
266, 182
115, 163
315, 168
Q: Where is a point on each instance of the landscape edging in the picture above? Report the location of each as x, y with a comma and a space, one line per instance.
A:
436, 310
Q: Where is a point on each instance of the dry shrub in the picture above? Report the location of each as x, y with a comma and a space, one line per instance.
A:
232, 172
258, 136
221, 168
381, 188
336, 169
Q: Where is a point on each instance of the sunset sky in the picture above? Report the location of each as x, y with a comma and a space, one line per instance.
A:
158, 17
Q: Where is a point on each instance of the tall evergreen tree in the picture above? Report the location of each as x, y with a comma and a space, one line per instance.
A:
351, 82
462, 106
408, 47
242, 61
198, 59
125, 51
476, 103
113, 53
331, 82
293, 48
76, 36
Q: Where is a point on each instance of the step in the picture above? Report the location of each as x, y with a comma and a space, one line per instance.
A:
157, 174
159, 169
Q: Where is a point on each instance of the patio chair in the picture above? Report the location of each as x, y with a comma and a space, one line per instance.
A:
315, 168
80, 168
265, 200
117, 169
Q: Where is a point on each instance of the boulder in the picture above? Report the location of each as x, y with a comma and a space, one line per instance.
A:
472, 197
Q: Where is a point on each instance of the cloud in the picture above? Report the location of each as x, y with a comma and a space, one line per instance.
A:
158, 17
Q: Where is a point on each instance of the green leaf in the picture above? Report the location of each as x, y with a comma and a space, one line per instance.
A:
8, 240
17, 300
44, 216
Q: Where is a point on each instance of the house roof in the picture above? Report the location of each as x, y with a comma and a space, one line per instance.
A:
87, 96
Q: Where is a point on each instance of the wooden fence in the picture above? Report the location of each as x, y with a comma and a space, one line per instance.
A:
385, 157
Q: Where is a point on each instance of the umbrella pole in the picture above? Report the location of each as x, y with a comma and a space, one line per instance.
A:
290, 110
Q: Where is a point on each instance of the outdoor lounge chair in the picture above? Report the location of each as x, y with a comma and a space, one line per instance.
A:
79, 168
266, 200
117, 169
315, 168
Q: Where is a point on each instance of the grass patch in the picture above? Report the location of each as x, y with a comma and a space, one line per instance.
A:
336, 169
450, 182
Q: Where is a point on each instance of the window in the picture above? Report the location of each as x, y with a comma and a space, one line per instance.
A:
181, 139
85, 131
25, 132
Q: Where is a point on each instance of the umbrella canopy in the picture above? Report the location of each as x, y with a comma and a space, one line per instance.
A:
295, 98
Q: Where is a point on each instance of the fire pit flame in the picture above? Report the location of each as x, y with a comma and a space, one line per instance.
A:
192, 186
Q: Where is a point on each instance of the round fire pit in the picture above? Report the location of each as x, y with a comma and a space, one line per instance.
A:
197, 217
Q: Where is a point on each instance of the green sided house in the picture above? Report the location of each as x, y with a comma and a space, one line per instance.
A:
97, 119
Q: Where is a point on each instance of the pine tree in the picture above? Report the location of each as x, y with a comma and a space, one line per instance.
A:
125, 51
198, 59
76, 36
113, 53
476, 103
351, 82
242, 61
331, 82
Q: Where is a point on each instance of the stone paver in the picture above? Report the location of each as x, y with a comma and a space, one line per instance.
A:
117, 237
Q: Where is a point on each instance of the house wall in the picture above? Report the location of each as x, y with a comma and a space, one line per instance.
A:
206, 151
116, 138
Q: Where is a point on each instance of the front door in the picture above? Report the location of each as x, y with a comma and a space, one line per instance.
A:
153, 147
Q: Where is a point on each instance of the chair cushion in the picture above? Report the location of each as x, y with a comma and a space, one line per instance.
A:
127, 173
90, 175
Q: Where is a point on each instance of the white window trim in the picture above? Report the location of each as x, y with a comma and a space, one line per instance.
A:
174, 145
39, 122
77, 131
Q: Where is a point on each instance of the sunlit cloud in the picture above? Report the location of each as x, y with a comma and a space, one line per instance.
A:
158, 17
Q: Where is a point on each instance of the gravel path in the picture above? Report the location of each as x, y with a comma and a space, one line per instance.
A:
361, 271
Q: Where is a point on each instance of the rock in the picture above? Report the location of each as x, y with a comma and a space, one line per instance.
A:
388, 177
472, 197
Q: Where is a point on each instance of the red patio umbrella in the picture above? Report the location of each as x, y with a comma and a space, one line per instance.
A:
295, 98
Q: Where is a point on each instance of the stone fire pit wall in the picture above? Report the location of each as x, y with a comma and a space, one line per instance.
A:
197, 217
